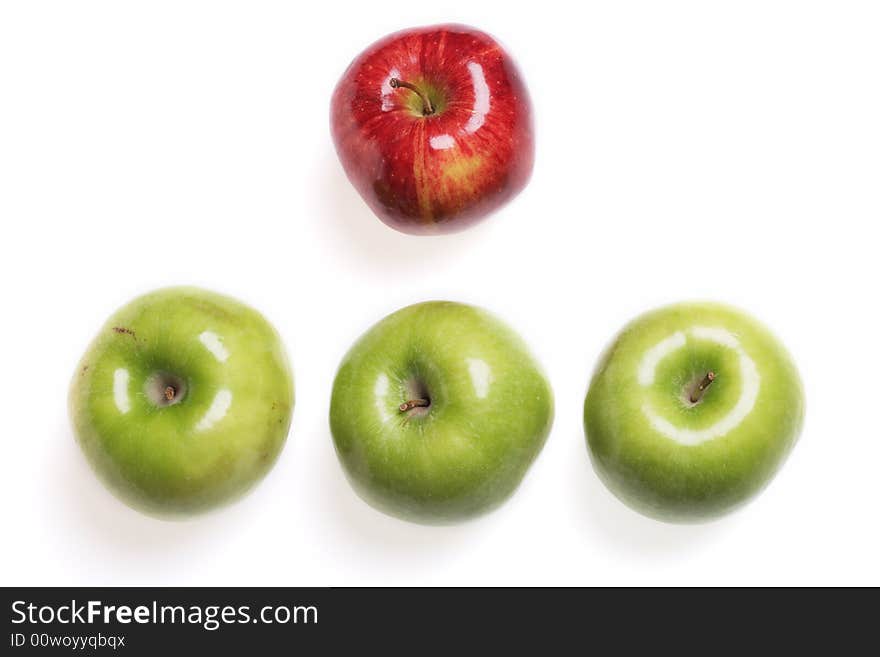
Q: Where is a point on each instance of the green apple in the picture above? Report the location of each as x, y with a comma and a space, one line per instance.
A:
438, 411
183, 401
691, 411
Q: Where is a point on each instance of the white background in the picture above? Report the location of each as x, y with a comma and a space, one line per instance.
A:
726, 151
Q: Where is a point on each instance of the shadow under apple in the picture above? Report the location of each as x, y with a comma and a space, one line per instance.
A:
142, 549
362, 238
625, 530
407, 549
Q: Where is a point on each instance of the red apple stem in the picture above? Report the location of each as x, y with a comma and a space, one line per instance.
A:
413, 403
427, 106
700, 390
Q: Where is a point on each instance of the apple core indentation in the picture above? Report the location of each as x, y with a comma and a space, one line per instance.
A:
165, 389
417, 398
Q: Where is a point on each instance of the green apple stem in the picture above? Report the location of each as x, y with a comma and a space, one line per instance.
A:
170, 393
700, 390
427, 106
414, 403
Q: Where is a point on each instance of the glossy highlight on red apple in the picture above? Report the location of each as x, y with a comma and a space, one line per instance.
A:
433, 127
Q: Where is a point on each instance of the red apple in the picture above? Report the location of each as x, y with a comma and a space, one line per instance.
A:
434, 128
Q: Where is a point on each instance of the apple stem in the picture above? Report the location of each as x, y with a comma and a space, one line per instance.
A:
700, 390
427, 107
170, 393
413, 403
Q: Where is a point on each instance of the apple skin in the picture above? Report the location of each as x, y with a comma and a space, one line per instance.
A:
491, 409
678, 461
440, 173
230, 416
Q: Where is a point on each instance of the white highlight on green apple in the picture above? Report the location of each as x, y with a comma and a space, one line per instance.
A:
214, 344
381, 392
717, 335
657, 353
217, 411
481, 376
751, 385
120, 390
